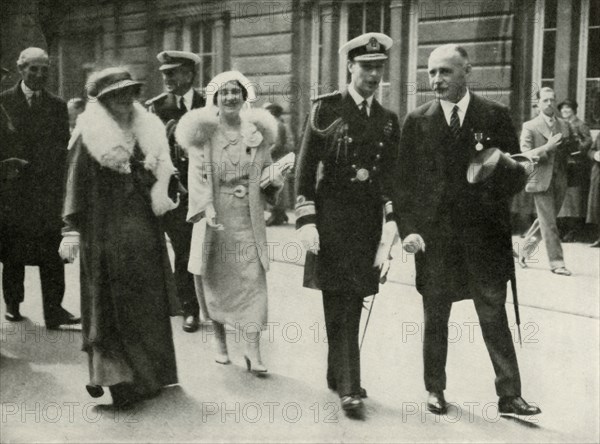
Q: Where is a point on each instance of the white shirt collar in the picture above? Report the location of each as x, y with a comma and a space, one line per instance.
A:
358, 99
463, 105
27, 91
188, 98
548, 119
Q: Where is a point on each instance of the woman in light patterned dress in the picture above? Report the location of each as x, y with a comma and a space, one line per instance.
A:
229, 151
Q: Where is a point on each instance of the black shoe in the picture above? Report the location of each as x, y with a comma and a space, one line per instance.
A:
191, 323
436, 403
362, 392
95, 391
517, 406
277, 219
12, 313
595, 244
351, 404
62, 318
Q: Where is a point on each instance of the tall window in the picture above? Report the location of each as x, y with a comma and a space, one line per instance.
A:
196, 37
202, 44
367, 16
592, 70
549, 42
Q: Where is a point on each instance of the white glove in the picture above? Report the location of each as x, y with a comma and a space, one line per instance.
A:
389, 237
278, 179
69, 247
211, 218
597, 156
413, 243
309, 238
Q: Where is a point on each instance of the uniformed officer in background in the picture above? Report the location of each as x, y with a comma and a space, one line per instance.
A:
340, 219
179, 69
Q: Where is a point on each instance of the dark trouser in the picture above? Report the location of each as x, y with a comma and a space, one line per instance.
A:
52, 277
180, 233
342, 320
496, 334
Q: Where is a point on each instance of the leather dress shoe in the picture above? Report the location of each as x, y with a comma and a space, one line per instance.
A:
191, 323
95, 391
63, 318
595, 244
362, 392
436, 403
561, 271
517, 406
12, 313
351, 404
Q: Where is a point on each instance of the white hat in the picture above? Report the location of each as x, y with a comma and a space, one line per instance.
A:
173, 59
367, 47
221, 79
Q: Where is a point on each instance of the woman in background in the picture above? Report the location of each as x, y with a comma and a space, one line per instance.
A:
119, 171
229, 153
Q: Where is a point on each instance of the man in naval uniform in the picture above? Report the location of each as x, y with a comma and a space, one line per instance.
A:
179, 69
343, 180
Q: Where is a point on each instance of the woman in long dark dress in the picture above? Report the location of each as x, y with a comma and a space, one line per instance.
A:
119, 170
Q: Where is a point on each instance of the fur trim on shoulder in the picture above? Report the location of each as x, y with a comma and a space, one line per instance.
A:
112, 147
264, 121
196, 127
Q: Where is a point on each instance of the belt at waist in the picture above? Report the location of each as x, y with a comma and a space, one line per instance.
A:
237, 190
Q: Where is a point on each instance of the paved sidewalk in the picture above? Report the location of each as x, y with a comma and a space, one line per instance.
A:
42, 374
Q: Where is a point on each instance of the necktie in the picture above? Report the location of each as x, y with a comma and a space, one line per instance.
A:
182, 106
455, 122
363, 109
35, 100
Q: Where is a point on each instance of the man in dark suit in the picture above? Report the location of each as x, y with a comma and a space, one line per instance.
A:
552, 141
461, 231
178, 69
31, 233
340, 218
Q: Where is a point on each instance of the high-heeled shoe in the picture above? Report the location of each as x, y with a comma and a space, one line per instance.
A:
256, 367
222, 358
95, 391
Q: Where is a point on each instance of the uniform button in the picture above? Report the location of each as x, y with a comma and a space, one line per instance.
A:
380, 143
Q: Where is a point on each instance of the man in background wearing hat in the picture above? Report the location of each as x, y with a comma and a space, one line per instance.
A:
339, 220
178, 69
460, 232
551, 139
32, 235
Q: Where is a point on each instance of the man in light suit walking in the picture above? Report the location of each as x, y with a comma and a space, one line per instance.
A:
550, 139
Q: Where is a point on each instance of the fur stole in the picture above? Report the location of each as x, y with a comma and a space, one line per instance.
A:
112, 147
198, 126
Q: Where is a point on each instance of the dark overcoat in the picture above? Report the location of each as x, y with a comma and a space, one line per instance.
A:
466, 227
33, 202
337, 143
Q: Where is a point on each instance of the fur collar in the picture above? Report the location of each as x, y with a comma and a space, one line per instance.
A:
198, 126
112, 147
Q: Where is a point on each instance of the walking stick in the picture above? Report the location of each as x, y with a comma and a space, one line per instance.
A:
362, 339
513, 287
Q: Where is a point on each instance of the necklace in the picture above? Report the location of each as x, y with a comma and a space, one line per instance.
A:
232, 151
232, 136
